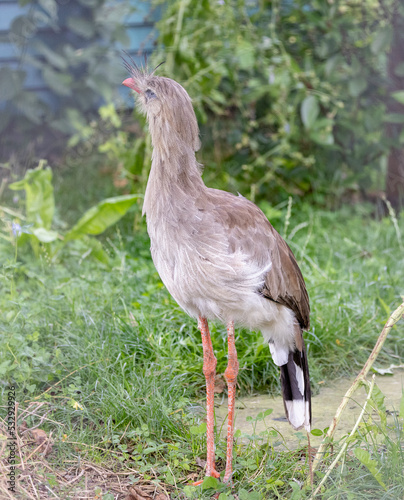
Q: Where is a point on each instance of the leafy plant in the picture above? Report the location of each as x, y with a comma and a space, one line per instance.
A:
39, 213
293, 95
73, 46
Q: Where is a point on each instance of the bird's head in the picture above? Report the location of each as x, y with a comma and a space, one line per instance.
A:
167, 105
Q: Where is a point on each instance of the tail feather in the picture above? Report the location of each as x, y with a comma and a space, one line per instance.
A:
295, 382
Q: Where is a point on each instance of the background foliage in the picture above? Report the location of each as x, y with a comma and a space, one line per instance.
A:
293, 94
293, 97
73, 46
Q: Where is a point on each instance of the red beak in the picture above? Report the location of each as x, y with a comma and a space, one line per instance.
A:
129, 82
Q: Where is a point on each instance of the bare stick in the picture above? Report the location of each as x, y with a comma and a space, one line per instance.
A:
345, 446
395, 316
19, 440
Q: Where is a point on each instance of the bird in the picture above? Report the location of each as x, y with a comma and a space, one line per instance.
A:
219, 257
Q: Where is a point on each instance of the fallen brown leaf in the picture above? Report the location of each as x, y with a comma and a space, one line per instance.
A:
200, 463
39, 435
137, 493
220, 384
161, 496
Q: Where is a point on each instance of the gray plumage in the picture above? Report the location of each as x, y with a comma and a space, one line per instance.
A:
216, 253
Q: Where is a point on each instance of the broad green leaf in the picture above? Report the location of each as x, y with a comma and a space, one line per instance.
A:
3, 366
223, 496
294, 65
198, 429
189, 491
55, 59
81, 26
382, 40
248, 495
50, 7
59, 82
316, 432
95, 249
97, 219
11, 83
357, 85
170, 478
398, 96
309, 111
243, 494
321, 132
364, 457
209, 482
332, 64
29, 104
245, 54
45, 235
40, 202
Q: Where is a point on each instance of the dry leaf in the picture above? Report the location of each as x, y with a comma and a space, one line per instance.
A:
137, 493
39, 435
200, 463
120, 183
220, 384
161, 496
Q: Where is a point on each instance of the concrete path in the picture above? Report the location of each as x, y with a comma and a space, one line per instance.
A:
324, 407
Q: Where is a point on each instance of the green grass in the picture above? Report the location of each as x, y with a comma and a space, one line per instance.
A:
125, 363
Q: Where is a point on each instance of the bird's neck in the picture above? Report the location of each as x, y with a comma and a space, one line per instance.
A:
175, 176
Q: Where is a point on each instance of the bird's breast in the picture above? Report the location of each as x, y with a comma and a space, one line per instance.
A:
200, 269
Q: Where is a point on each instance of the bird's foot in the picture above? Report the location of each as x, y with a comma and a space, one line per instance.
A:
213, 473
228, 480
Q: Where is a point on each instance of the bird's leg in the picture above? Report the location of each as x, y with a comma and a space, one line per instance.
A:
209, 370
231, 378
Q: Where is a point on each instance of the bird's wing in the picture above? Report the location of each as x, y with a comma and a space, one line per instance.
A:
249, 230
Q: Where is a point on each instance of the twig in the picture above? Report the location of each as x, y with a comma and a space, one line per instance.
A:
3, 490
27, 493
124, 432
17, 436
394, 317
36, 449
40, 423
48, 488
75, 478
344, 447
33, 486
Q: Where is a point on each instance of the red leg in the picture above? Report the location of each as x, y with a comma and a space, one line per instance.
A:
231, 377
209, 370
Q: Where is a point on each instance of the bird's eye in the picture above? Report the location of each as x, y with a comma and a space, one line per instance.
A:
150, 94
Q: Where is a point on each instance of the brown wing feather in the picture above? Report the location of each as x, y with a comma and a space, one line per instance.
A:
248, 228
284, 283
